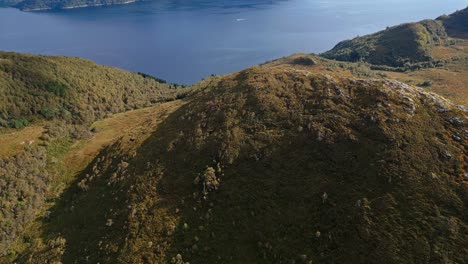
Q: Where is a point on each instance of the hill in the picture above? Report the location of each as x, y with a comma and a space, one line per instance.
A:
272, 165
401, 45
35, 5
395, 46
79, 91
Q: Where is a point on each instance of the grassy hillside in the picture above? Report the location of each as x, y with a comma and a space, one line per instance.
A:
33, 5
450, 80
76, 90
395, 46
403, 45
275, 164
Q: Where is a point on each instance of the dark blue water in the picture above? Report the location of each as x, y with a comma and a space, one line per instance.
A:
185, 40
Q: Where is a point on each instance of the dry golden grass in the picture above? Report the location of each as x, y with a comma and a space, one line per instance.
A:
132, 127
450, 84
13, 140
448, 52
450, 81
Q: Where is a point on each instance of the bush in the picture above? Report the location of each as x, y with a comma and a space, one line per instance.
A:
426, 84
48, 113
24, 182
19, 123
147, 76
57, 88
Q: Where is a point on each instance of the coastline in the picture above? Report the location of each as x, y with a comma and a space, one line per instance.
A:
76, 6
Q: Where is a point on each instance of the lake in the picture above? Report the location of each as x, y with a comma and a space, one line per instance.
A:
183, 41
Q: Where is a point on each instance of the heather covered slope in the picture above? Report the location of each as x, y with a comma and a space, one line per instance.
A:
79, 91
275, 164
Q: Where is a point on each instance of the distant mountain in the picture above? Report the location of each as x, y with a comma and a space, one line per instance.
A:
400, 45
34, 5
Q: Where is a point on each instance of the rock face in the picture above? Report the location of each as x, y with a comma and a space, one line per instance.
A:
374, 176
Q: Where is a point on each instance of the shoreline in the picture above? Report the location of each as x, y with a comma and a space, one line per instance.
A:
74, 7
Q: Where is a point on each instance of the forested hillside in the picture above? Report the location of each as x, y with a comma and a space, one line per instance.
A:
75, 90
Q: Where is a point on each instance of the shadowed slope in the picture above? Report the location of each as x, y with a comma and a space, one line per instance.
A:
457, 23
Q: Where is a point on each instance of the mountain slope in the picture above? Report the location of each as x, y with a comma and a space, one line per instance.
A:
57, 98
272, 165
80, 91
402, 45
407, 43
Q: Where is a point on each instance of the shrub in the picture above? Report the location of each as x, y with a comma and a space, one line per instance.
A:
426, 84
19, 123
57, 88
147, 76
210, 181
48, 113
23, 185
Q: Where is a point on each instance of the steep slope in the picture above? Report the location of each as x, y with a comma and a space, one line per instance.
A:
275, 164
395, 46
79, 91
